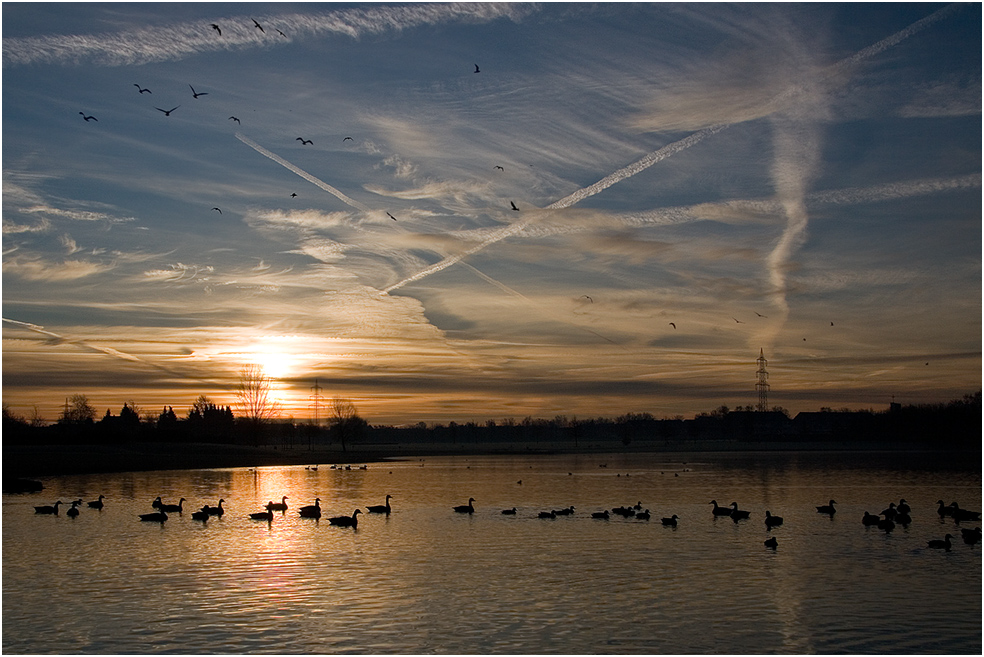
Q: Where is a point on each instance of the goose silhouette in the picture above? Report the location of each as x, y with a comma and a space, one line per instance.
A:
48, 510
941, 545
772, 521
943, 511
772, 543
202, 514
89, 118
869, 519
262, 515
260, 27
157, 503
569, 511
971, 536
74, 511
381, 508
216, 28
720, 510
97, 504
903, 506
737, 514
891, 511
346, 521
827, 508
215, 510
670, 522
167, 112
903, 519
513, 206
547, 515
172, 508
600, 515
643, 515
160, 516
509, 512
277, 506
304, 142
196, 94
963, 514
232, 118
886, 525
143, 91
312, 511
466, 508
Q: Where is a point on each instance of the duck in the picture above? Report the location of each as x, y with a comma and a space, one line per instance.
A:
74, 511
466, 508
971, 536
737, 514
547, 514
941, 545
600, 515
381, 508
262, 515
827, 508
159, 516
312, 511
48, 510
943, 511
215, 510
869, 519
277, 506
509, 512
201, 514
173, 507
643, 515
962, 514
772, 543
346, 521
569, 511
903, 506
97, 504
771, 520
670, 522
720, 510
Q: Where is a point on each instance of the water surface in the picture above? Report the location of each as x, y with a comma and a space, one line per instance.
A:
428, 580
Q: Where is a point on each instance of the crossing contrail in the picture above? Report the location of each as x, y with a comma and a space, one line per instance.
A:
301, 172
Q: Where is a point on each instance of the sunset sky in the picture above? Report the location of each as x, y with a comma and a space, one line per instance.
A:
694, 183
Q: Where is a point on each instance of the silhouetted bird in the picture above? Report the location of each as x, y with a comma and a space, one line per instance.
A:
886, 525
49, 510
202, 514
669, 522
737, 514
760, 315
499, 168
215, 510
89, 118
971, 536
304, 142
167, 112
281, 33
903, 506
890, 512
157, 503
941, 545
346, 521
903, 519
74, 511
173, 507
347, 139
737, 321
260, 27
772, 521
278, 506
160, 516
643, 515
719, 510
943, 510
466, 508
217, 210
312, 511
97, 504
963, 514
672, 324
509, 512
827, 508
232, 118
772, 543
477, 70
293, 194
870, 519
569, 511
547, 515
381, 508
197, 94
513, 206
600, 515
143, 91
216, 28
391, 216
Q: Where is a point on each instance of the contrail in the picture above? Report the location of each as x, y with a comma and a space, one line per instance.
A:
301, 172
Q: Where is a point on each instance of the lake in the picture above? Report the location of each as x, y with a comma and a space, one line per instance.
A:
425, 579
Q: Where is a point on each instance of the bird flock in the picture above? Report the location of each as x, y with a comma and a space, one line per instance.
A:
887, 520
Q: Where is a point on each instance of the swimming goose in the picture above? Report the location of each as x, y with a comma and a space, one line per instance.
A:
173, 507
381, 508
160, 516
886, 525
509, 512
903, 519
869, 519
312, 511
669, 522
772, 521
903, 506
74, 511
97, 504
547, 514
827, 508
53, 509
962, 514
277, 506
157, 503
346, 521
262, 515
466, 508
215, 510
600, 515
971, 536
569, 511
772, 543
943, 510
202, 514
736, 514
891, 511
643, 515
942, 545
720, 510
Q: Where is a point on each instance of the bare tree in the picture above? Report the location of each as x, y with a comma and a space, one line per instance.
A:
344, 420
254, 395
78, 410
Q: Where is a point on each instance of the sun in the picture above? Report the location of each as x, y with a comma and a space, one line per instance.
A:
275, 365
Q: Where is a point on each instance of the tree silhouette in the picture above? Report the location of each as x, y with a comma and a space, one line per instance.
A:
78, 410
256, 406
344, 420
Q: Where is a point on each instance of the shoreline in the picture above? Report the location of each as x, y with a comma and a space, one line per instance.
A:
33, 461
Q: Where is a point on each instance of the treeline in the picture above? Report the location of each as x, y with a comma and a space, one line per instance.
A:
955, 424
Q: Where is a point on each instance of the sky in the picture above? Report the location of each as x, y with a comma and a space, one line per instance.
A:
455, 212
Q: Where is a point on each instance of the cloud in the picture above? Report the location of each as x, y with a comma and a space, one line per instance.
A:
36, 269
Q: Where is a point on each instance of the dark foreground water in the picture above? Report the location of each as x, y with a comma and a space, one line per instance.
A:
428, 580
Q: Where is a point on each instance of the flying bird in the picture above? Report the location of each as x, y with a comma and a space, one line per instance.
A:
258, 25
738, 321
585, 296
499, 168
293, 194
196, 94
167, 112
477, 70
347, 139
232, 118
281, 33
760, 315
89, 118
304, 142
513, 206
391, 216
143, 91
672, 324
217, 210
216, 28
